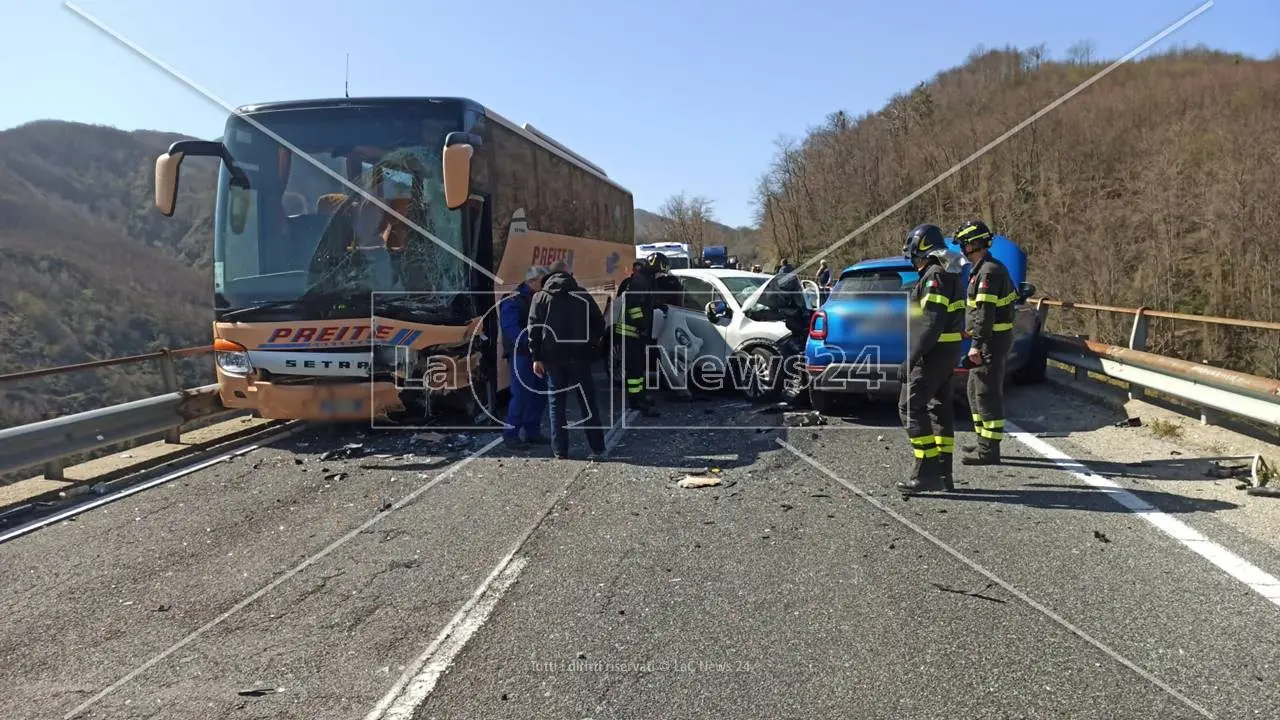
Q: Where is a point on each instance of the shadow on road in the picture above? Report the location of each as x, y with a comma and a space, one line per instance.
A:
1174, 469
1068, 497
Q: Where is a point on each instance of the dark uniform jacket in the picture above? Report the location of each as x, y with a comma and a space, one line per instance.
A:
990, 301
937, 311
637, 296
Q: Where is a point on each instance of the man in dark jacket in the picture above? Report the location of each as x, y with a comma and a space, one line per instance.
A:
528, 390
565, 328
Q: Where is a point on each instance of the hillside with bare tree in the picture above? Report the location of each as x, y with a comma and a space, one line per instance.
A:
1159, 185
692, 220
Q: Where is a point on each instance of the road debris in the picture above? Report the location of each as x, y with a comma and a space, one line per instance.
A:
971, 593
259, 691
1225, 470
347, 451
699, 478
1130, 422
804, 419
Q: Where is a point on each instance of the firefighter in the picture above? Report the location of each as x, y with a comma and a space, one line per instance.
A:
635, 329
937, 319
626, 282
989, 324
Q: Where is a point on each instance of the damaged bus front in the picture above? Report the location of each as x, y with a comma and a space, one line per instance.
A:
327, 303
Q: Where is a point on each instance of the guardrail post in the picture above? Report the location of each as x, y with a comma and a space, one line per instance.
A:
1138, 341
53, 468
169, 376
1042, 313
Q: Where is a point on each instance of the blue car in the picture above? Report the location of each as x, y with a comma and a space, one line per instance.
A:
858, 336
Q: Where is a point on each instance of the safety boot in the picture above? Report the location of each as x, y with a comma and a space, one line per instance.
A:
982, 454
945, 475
924, 477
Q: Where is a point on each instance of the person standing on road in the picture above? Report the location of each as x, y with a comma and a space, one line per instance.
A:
989, 324
528, 391
937, 319
565, 328
635, 330
824, 274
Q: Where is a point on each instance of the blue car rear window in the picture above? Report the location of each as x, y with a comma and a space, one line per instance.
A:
877, 280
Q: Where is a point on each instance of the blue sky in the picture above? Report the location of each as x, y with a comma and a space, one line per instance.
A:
667, 96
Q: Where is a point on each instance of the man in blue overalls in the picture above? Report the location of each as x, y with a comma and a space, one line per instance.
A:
528, 391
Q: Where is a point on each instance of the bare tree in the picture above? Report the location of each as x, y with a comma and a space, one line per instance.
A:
688, 220
1151, 189
1081, 53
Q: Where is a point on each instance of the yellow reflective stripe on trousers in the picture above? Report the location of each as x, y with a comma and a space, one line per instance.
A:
635, 312
946, 443
634, 385
989, 429
923, 446
950, 337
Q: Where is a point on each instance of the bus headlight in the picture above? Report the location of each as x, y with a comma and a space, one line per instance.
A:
231, 357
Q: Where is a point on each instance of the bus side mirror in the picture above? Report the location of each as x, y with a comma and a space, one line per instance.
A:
456, 167
167, 166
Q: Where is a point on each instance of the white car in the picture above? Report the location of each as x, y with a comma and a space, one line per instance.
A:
716, 325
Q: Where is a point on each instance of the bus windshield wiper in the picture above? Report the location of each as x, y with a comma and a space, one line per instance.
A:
258, 307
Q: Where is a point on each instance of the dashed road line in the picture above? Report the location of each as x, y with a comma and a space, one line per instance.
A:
420, 678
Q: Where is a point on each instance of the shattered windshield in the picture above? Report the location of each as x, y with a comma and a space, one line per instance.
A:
297, 233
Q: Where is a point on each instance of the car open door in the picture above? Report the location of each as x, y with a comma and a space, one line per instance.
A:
812, 293
768, 296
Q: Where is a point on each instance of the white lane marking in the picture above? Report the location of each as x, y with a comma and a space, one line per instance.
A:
420, 678
283, 578
1237, 567
992, 577
147, 485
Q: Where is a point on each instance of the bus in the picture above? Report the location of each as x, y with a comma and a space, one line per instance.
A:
328, 305
677, 253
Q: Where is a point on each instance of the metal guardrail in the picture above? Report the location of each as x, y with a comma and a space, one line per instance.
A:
50, 441
1205, 386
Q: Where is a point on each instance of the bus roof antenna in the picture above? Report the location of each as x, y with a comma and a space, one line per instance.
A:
346, 81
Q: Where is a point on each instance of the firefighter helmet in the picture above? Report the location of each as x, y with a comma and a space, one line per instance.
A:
923, 241
973, 233
657, 262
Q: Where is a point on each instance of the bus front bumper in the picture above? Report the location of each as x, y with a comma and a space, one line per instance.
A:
320, 401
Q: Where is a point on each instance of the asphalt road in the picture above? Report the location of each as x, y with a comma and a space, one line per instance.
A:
428, 584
